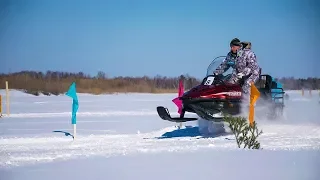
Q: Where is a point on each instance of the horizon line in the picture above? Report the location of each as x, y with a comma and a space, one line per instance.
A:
135, 76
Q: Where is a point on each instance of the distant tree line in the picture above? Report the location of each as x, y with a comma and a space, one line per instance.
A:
291, 83
54, 82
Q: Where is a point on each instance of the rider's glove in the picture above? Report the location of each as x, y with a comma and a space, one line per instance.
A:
240, 75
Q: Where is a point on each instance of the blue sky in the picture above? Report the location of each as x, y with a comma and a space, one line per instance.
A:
150, 37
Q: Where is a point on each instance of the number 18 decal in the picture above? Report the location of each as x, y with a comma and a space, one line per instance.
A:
209, 81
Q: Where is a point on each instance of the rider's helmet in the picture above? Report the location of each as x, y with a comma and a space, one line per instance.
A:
235, 45
235, 42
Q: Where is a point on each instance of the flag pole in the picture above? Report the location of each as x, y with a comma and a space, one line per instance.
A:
74, 131
72, 92
177, 101
254, 95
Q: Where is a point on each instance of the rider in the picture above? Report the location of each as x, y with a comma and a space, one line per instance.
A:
230, 60
244, 63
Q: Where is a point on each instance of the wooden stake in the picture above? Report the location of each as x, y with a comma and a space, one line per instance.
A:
7, 98
0, 105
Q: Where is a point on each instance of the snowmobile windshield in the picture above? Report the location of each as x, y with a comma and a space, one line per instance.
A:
214, 65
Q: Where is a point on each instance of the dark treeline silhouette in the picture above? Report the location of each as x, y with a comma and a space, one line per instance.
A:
300, 83
53, 82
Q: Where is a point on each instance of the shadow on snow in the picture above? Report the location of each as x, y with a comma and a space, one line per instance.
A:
65, 133
192, 131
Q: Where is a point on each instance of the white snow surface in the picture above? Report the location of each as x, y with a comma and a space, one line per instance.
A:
120, 136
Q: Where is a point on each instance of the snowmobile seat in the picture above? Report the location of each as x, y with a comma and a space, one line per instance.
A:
264, 85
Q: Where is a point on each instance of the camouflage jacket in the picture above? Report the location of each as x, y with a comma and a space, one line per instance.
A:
228, 62
245, 62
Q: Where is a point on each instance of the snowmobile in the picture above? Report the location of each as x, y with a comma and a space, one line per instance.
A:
215, 96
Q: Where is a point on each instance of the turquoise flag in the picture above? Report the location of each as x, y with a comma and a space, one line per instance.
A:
72, 92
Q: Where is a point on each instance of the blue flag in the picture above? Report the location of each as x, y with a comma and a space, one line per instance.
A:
72, 92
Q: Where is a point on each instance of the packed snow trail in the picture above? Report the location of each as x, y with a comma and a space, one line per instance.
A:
20, 150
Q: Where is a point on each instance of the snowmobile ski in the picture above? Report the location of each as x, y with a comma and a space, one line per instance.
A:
165, 115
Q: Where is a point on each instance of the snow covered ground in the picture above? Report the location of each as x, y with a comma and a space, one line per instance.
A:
121, 137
